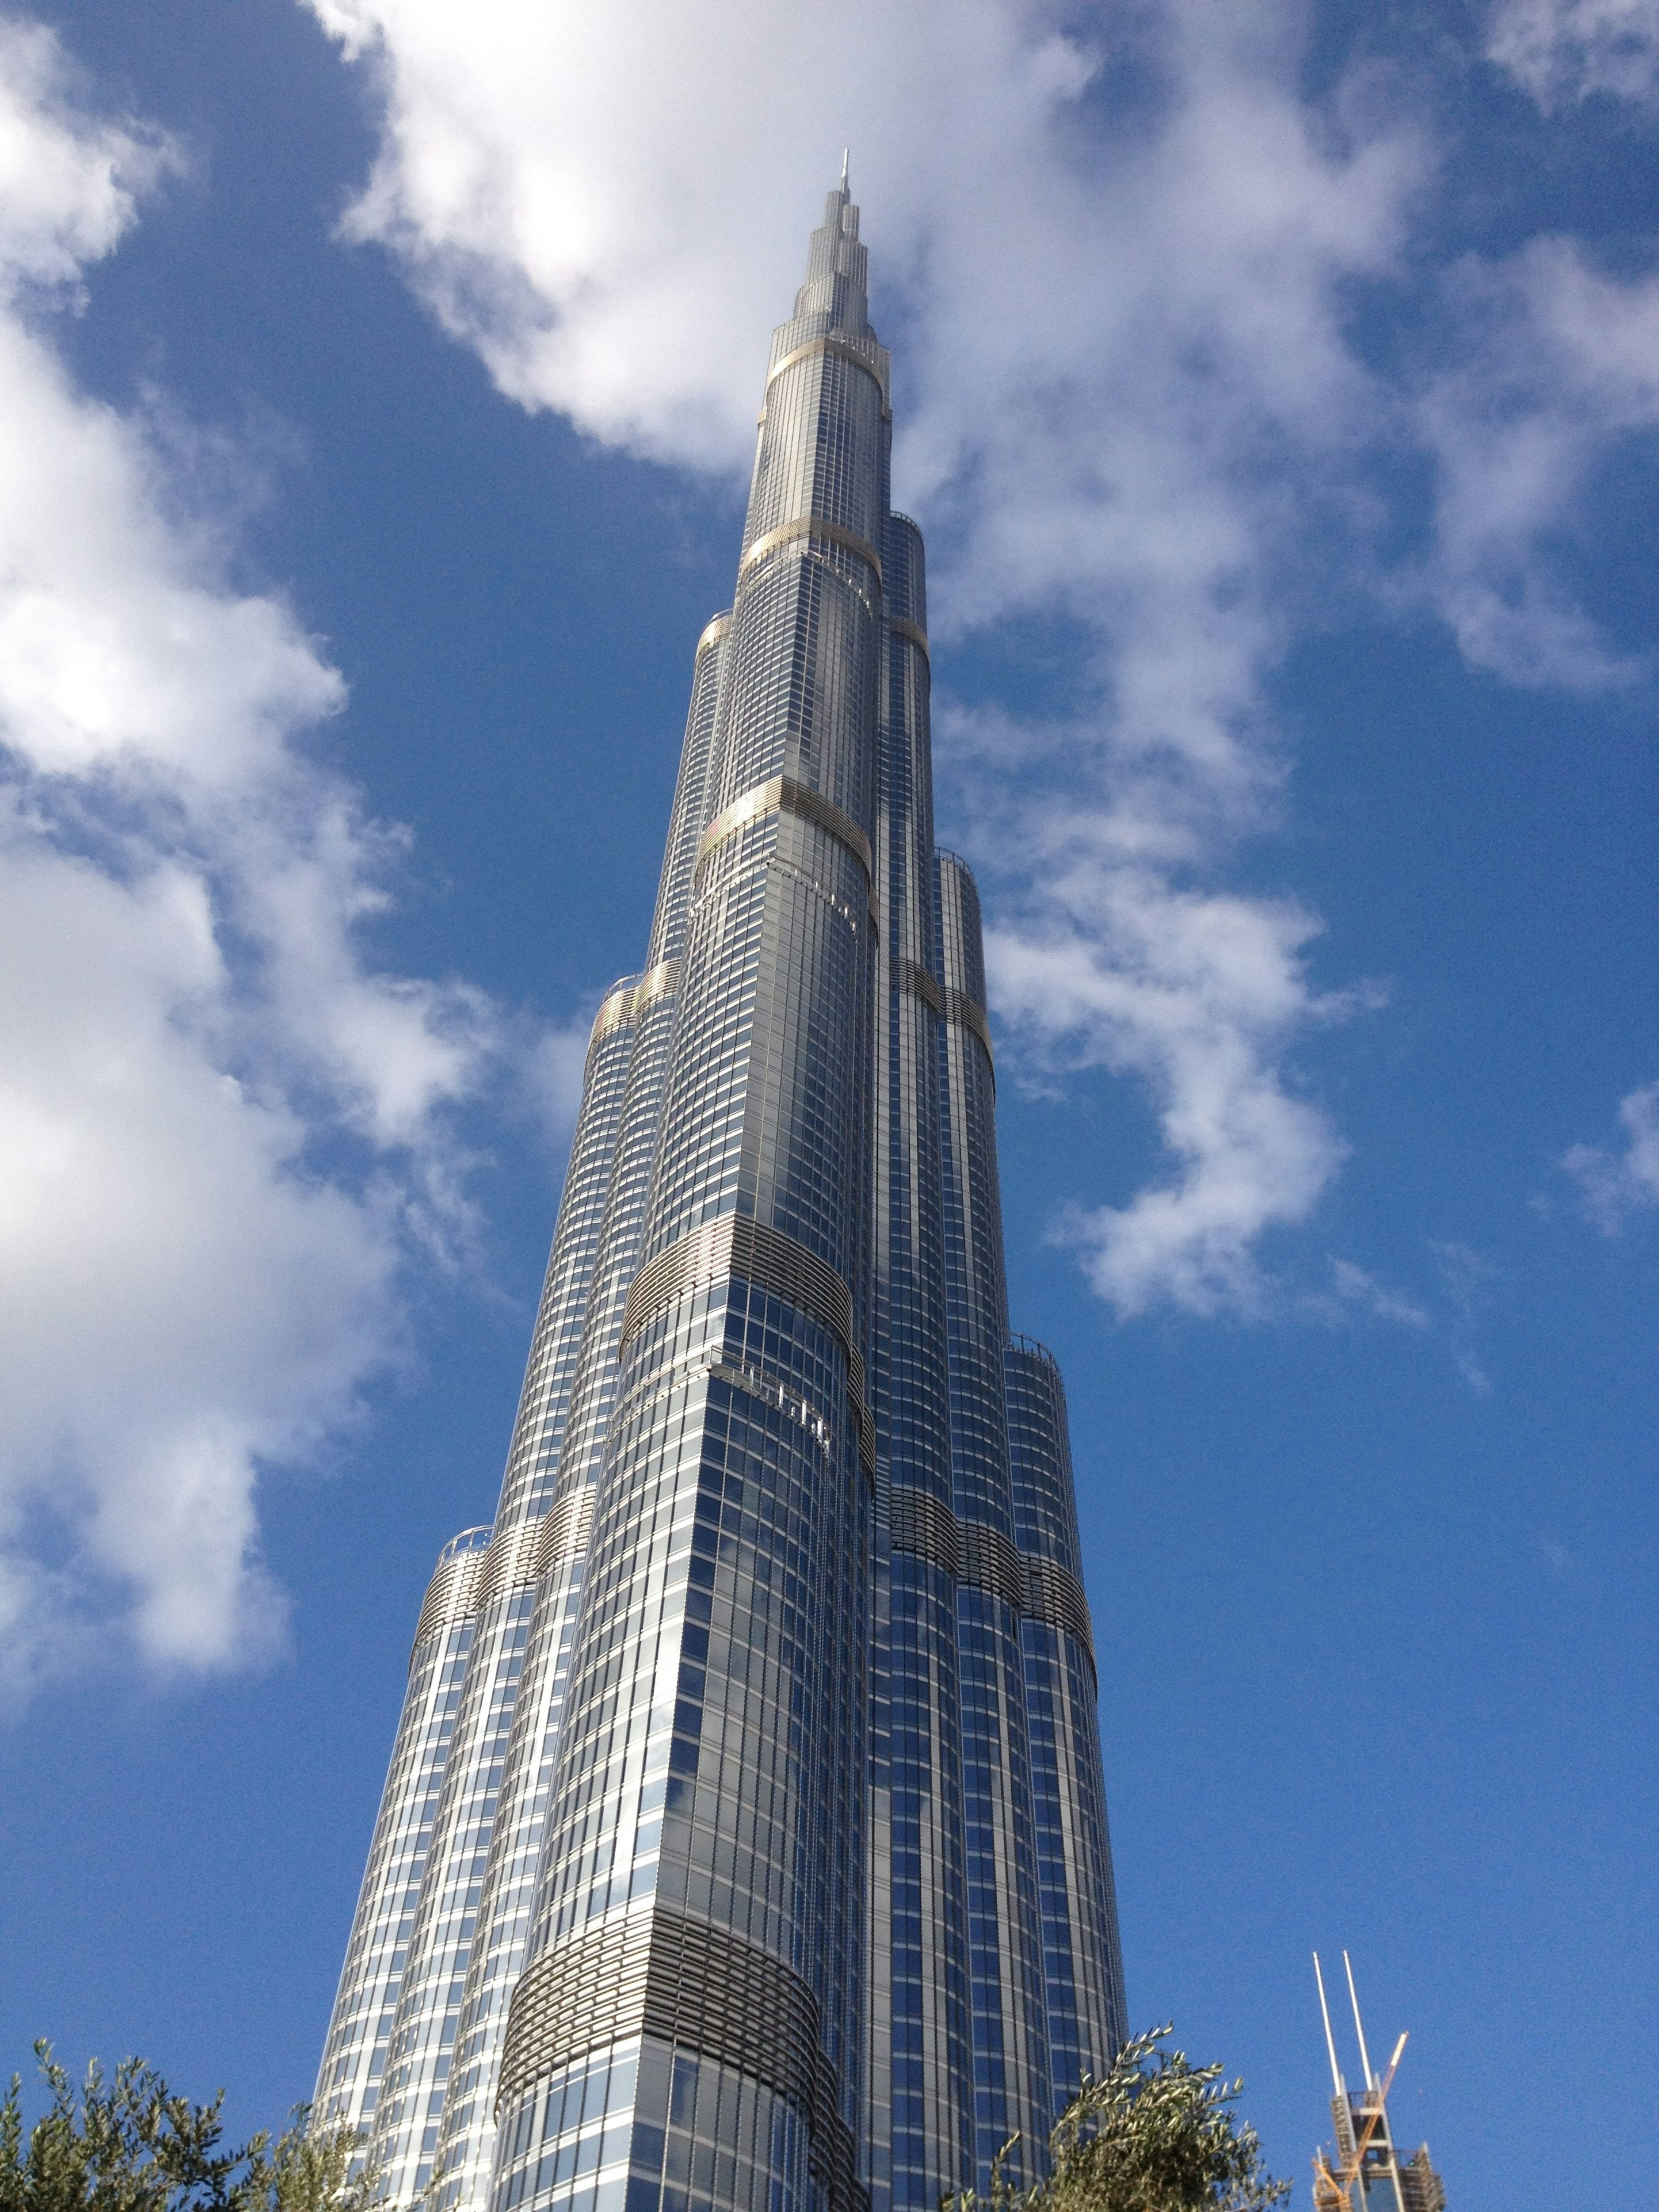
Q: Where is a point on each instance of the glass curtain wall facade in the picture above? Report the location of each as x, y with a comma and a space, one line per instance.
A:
744, 1842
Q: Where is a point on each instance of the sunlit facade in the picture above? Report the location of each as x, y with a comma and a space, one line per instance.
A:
744, 1842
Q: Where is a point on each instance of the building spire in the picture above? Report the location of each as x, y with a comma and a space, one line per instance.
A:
837, 266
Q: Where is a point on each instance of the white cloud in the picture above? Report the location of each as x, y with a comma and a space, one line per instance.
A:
178, 1298
1198, 993
187, 1294
1557, 361
1466, 1276
68, 181
552, 1068
1561, 51
1616, 1184
1355, 1289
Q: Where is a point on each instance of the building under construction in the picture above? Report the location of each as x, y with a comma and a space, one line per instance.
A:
1369, 2174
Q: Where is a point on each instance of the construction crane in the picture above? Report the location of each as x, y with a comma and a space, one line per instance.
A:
1365, 2142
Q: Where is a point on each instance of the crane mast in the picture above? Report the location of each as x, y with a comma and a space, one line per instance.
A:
1368, 2175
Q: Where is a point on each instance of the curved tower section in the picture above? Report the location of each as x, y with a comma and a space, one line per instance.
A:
1082, 1965
745, 1844
366, 2005
1010, 2030
692, 1990
466, 2143
922, 2122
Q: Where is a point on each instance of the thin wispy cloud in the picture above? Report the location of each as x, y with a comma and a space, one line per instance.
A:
1565, 51
1615, 1181
1199, 994
1467, 1278
1553, 362
1362, 1293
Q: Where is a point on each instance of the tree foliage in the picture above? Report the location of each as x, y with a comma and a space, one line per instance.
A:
1155, 2133
127, 2144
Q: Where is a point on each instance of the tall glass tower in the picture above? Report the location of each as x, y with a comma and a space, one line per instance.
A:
744, 1843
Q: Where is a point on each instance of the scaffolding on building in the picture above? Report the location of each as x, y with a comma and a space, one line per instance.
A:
1369, 2175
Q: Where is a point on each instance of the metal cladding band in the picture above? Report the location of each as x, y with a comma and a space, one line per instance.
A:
910, 975
616, 1009
914, 631
714, 630
576, 1998
562, 1533
921, 1523
990, 1561
758, 1254
984, 1558
960, 1007
452, 1593
659, 982
781, 794
810, 525
737, 1245
1055, 1595
703, 1988
842, 351
509, 1564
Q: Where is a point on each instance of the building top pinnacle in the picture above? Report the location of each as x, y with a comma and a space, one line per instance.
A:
836, 265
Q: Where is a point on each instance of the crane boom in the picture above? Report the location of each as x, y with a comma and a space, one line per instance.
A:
1376, 2113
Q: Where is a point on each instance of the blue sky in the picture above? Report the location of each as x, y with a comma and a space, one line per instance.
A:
1278, 388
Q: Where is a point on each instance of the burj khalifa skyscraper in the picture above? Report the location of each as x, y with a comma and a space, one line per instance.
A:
743, 1846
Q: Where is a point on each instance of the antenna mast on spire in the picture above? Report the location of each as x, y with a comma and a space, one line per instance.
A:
846, 155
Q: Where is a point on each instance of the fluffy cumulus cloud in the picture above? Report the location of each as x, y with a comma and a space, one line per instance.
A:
1198, 993
1562, 50
222, 1127
1614, 1184
1554, 362
1106, 953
